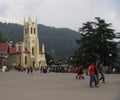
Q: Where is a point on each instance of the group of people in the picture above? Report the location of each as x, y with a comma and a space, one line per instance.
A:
94, 70
30, 70
96, 73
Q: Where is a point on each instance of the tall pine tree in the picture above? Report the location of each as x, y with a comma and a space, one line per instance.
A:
96, 43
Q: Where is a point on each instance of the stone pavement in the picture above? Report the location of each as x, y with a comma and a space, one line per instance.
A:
55, 86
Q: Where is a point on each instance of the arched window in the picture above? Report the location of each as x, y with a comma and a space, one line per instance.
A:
32, 50
25, 59
25, 31
31, 30
28, 30
34, 30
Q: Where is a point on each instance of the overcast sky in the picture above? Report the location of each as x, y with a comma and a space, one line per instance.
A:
61, 13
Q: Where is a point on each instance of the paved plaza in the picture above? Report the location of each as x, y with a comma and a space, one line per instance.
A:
55, 86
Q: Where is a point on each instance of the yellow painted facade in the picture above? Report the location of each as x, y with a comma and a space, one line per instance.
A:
27, 53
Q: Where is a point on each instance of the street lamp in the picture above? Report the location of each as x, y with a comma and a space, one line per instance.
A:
110, 69
83, 59
71, 58
51, 61
110, 55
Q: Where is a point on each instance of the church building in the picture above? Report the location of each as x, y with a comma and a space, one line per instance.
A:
27, 52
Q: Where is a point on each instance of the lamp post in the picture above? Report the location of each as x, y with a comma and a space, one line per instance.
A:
110, 55
109, 67
51, 62
83, 59
71, 60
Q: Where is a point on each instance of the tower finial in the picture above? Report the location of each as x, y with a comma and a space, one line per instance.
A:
24, 20
36, 20
43, 48
29, 18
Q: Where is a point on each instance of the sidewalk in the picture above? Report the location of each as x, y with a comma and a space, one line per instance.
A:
56, 86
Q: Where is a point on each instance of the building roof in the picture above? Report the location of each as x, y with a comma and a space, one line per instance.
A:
4, 47
14, 50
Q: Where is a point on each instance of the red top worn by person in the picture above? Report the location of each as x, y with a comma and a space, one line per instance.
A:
92, 69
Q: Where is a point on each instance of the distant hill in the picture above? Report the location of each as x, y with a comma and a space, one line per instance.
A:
59, 42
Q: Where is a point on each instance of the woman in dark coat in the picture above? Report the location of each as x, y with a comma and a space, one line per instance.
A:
80, 73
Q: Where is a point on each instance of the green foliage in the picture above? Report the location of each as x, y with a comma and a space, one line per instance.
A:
3, 37
13, 32
96, 43
49, 59
59, 42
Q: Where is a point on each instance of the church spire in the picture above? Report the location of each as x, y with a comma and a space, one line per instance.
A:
43, 48
29, 19
24, 20
36, 20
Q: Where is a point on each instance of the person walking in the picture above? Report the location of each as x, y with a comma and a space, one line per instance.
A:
31, 70
81, 72
96, 73
101, 70
92, 75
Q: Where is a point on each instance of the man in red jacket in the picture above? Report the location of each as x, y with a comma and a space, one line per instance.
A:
92, 75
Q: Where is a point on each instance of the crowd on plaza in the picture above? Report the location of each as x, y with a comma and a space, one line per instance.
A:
96, 71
